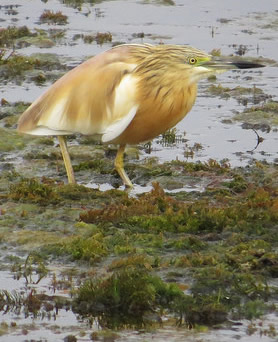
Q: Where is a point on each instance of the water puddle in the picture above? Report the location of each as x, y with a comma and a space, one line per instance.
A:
196, 185
48, 323
58, 324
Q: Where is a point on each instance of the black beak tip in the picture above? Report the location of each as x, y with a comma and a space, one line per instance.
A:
248, 65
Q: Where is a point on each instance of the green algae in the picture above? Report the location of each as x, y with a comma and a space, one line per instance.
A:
11, 33
15, 64
141, 261
156, 212
187, 243
30, 190
20, 37
10, 141
224, 240
226, 92
30, 238
237, 184
79, 3
16, 67
9, 114
98, 165
90, 249
243, 95
125, 297
210, 165
100, 38
46, 141
256, 115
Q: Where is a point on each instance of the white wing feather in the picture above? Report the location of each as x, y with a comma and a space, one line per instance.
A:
124, 108
117, 127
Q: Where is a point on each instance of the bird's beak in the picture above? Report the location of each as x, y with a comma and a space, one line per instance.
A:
227, 63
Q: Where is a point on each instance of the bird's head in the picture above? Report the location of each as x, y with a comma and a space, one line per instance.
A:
184, 62
197, 64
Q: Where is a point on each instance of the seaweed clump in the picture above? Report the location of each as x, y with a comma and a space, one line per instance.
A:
15, 64
229, 274
11, 33
125, 298
154, 202
51, 17
262, 116
157, 212
99, 37
31, 190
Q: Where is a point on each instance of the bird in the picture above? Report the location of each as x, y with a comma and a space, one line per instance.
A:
127, 95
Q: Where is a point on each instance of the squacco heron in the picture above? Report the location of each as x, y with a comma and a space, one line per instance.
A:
127, 95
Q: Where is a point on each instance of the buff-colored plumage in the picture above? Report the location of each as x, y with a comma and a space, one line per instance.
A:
127, 95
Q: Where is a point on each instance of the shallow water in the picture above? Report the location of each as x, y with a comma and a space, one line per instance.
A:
64, 323
49, 328
208, 26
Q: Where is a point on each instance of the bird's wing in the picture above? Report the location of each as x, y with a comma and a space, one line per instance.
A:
97, 97
116, 128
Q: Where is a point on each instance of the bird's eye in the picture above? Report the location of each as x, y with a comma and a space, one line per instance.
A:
192, 60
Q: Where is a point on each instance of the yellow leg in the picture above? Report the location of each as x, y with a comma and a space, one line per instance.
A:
119, 165
66, 158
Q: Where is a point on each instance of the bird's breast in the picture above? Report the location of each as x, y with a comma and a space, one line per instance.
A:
160, 109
